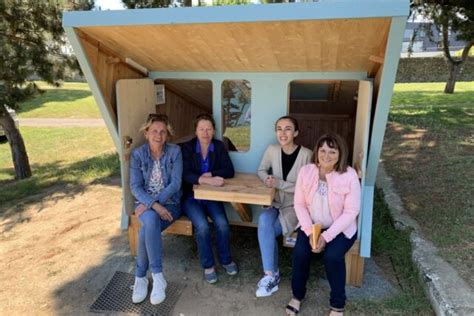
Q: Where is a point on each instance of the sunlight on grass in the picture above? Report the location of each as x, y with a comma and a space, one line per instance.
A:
433, 170
431, 94
71, 100
240, 137
50, 148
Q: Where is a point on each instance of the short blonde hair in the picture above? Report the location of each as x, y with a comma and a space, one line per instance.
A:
154, 117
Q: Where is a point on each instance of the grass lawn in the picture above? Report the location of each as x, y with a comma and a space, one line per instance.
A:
240, 137
58, 155
429, 151
71, 100
391, 250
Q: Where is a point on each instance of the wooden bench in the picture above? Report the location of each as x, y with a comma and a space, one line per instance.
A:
241, 190
182, 226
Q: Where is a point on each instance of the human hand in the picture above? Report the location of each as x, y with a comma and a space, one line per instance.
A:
163, 212
271, 182
216, 181
320, 245
207, 175
140, 209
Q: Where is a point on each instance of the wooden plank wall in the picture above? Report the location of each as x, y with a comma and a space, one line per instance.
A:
181, 112
108, 67
313, 126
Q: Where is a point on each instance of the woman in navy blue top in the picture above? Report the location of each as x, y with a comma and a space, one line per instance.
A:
206, 161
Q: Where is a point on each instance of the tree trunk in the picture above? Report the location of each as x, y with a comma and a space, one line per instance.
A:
17, 146
454, 68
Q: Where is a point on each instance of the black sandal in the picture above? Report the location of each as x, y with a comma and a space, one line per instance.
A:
337, 310
293, 310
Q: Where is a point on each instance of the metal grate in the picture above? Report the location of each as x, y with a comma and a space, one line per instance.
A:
117, 297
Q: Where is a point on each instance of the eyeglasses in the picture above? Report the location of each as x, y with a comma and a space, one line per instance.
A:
153, 117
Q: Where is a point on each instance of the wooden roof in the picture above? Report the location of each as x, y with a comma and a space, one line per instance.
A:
287, 46
336, 35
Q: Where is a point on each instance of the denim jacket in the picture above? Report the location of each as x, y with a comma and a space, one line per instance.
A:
141, 165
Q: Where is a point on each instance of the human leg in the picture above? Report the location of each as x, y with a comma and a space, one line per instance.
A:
216, 212
196, 213
301, 263
269, 228
334, 264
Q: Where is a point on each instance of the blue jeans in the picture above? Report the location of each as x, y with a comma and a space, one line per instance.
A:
198, 211
334, 264
269, 228
149, 239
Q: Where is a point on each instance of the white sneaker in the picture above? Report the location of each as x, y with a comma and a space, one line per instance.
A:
158, 293
268, 285
140, 290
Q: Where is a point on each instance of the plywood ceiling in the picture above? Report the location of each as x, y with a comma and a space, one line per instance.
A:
318, 45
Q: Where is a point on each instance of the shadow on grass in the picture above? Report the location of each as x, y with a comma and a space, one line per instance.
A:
52, 182
60, 95
429, 152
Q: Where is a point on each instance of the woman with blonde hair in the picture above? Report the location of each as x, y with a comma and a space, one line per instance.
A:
155, 181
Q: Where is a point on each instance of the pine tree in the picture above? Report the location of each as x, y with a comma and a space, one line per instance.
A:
32, 41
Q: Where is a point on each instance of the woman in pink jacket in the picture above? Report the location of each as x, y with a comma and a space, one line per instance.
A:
326, 192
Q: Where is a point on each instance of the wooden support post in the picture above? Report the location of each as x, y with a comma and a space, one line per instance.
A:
244, 211
354, 266
182, 226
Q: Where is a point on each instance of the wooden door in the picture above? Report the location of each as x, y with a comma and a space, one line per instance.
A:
361, 134
135, 100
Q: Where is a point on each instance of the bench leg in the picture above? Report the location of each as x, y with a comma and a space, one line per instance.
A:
354, 266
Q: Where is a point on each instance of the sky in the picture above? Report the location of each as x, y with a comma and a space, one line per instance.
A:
109, 4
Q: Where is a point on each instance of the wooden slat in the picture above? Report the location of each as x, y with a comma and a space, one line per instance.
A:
243, 210
243, 188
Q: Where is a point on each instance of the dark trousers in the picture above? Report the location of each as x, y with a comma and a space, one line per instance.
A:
334, 264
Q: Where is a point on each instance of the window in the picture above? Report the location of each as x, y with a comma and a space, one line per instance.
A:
236, 101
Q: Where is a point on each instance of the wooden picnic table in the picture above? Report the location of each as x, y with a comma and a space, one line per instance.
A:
244, 188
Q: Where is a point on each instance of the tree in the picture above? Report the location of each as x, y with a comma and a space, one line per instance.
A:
142, 4
32, 41
450, 16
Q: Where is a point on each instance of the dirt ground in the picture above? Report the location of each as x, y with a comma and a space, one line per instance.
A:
59, 249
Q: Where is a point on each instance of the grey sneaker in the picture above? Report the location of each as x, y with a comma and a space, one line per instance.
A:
140, 290
231, 268
268, 285
210, 277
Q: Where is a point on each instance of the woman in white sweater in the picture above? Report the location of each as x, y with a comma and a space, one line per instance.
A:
279, 169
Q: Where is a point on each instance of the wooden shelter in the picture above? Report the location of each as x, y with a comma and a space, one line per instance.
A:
331, 64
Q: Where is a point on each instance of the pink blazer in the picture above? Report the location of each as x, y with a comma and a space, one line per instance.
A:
343, 198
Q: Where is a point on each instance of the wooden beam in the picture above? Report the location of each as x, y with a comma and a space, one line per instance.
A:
376, 59
244, 211
106, 50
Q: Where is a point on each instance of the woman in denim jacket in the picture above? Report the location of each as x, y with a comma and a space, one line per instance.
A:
156, 170
326, 192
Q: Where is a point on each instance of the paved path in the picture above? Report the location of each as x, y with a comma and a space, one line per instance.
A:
57, 122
